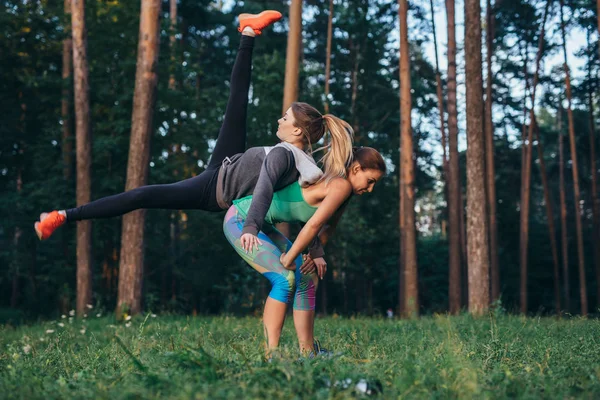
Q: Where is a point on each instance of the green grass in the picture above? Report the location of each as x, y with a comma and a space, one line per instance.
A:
222, 357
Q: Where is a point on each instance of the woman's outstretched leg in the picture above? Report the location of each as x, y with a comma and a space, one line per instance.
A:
232, 135
192, 194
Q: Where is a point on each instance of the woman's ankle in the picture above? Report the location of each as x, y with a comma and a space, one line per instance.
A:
248, 32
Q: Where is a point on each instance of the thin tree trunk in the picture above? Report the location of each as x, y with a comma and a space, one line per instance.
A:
549, 216
438, 81
355, 48
575, 170
595, 200
65, 111
172, 41
563, 210
84, 154
598, 16
526, 188
454, 190
292, 58
489, 152
477, 220
146, 76
328, 55
407, 182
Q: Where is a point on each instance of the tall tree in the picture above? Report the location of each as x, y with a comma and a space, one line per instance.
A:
549, 216
132, 242
594, 185
65, 110
526, 176
172, 40
440, 100
477, 221
407, 172
292, 58
328, 55
84, 153
489, 153
575, 170
454, 192
563, 209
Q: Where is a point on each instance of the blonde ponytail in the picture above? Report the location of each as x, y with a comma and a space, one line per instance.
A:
339, 154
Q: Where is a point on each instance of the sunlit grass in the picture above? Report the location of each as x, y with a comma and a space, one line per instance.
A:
223, 357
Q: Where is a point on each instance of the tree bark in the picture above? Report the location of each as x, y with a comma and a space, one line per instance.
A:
132, 242
454, 191
526, 189
563, 210
292, 58
576, 192
477, 221
65, 111
595, 201
172, 41
489, 152
328, 55
438, 81
549, 216
407, 171
84, 154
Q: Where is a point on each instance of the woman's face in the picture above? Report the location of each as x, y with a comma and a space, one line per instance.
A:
363, 180
286, 131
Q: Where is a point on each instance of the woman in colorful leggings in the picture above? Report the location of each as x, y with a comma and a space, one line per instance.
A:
232, 172
274, 256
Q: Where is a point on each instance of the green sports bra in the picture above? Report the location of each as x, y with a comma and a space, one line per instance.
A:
288, 205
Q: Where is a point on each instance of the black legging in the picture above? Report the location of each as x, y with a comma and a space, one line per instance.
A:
200, 191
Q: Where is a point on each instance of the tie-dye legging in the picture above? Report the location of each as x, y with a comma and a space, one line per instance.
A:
265, 260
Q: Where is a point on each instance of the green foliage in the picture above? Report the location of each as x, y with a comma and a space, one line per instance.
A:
179, 357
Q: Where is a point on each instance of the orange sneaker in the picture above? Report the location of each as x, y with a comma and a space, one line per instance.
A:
258, 21
48, 224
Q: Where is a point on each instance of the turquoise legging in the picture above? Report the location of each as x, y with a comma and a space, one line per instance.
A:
266, 261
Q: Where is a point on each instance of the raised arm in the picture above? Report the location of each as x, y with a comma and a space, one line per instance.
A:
338, 192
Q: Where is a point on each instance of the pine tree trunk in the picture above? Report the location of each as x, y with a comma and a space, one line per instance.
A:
172, 41
594, 188
84, 154
598, 17
549, 216
454, 191
440, 99
146, 76
407, 182
477, 220
489, 152
355, 49
292, 58
576, 192
65, 111
563, 210
328, 55
525, 185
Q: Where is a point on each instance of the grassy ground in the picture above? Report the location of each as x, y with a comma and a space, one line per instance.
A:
198, 358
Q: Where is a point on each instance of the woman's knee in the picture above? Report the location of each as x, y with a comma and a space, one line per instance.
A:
305, 292
282, 285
